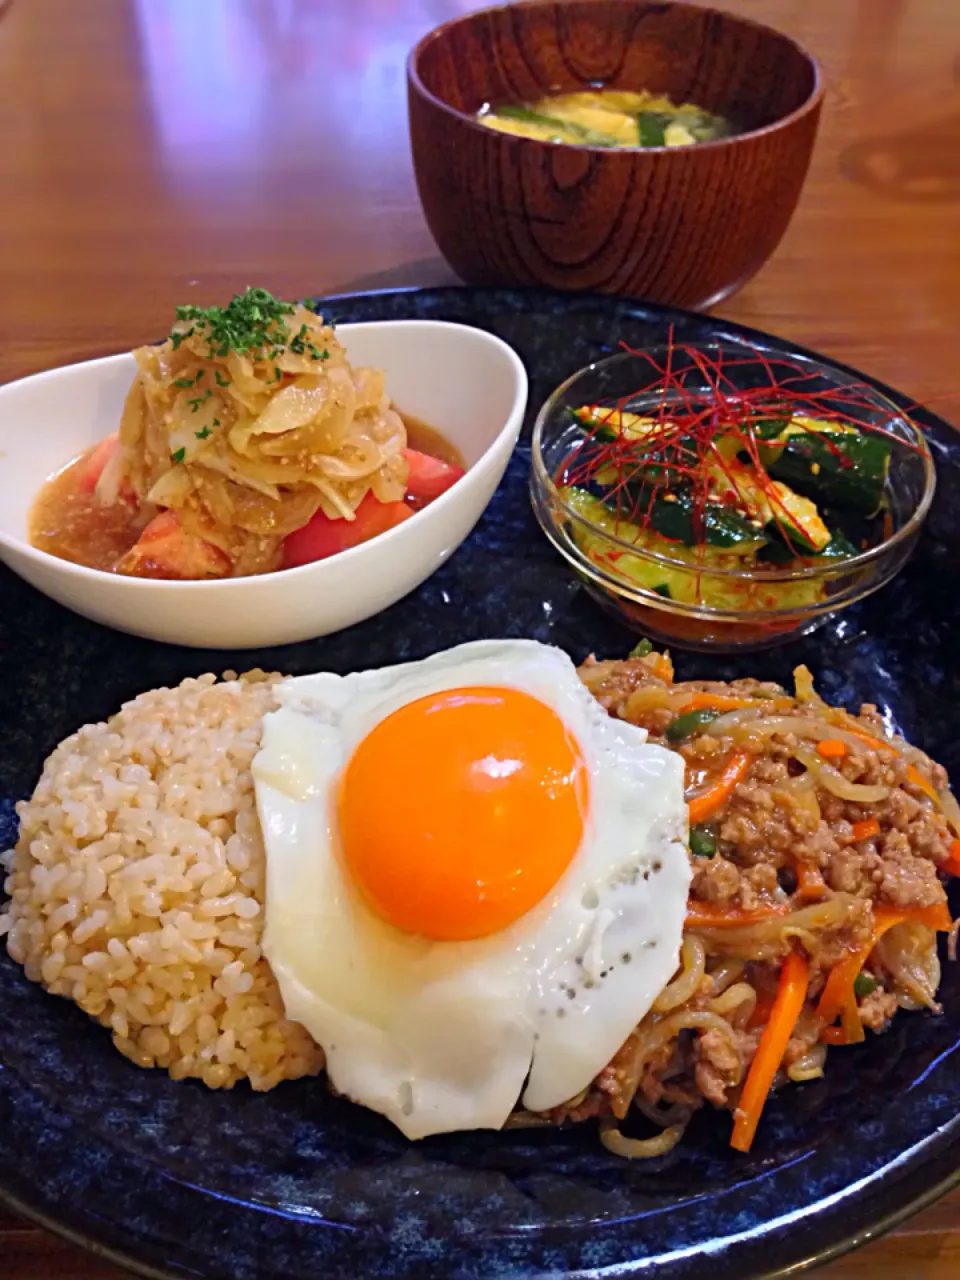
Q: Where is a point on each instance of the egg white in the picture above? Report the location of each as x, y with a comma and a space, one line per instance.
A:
441, 1036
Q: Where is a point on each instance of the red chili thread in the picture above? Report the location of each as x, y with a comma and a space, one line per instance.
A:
686, 425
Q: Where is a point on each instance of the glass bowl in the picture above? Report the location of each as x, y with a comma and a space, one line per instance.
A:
722, 609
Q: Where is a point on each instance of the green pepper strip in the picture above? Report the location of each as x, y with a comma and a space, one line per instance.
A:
703, 843
686, 726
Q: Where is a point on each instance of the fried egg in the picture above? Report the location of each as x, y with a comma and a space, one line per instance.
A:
476, 880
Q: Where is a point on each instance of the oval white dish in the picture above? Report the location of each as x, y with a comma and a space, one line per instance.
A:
465, 383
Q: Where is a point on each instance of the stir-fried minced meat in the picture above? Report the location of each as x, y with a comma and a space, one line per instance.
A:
717, 1067
762, 824
826, 823
877, 1008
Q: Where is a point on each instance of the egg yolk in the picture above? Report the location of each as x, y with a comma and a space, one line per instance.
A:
461, 810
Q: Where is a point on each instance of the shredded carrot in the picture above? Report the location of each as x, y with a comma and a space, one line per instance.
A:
937, 917
865, 829
810, 883
851, 1025
705, 803
832, 1035
715, 702
877, 744
662, 667
913, 773
724, 702
787, 1007
838, 992
952, 864
707, 915
925, 785
832, 748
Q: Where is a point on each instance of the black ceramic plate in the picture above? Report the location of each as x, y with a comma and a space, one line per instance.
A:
174, 1180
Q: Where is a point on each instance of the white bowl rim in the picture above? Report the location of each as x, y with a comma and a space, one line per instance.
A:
157, 585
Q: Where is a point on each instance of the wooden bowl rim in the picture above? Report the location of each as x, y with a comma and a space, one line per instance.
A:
811, 104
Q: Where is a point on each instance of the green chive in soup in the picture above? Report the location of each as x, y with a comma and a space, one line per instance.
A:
607, 118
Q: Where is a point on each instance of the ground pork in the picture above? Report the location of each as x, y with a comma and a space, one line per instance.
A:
765, 824
717, 1066
779, 842
611, 683
877, 1009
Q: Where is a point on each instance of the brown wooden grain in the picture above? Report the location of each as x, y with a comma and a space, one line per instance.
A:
138, 170
684, 225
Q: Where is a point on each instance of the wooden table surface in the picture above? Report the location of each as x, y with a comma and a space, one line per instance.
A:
154, 152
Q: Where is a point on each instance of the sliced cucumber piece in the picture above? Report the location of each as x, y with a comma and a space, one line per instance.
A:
612, 424
675, 518
769, 428
690, 581
838, 548
773, 504
842, 468
680, 518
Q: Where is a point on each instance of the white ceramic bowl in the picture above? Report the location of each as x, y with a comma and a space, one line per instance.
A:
467, 384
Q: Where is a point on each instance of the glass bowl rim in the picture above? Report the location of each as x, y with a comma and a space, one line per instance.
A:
836, 568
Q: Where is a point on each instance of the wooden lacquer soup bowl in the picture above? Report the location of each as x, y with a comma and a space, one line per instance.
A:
684, 225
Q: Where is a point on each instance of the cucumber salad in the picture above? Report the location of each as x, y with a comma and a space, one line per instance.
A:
739, 502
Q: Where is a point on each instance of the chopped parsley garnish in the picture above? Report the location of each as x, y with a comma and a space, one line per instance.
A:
179, 455
196, 401
202, 435
221, 382
216, 422
297, 345
249, 324
318, 355
188, 382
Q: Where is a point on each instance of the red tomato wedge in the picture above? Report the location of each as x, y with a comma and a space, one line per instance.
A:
323, 537
428, 476
166, 550
94, 463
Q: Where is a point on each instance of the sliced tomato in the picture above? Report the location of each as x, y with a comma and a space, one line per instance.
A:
324, 537
95, 461
428, 476
166, 550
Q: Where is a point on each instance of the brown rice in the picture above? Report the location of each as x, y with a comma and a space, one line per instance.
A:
136, 887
